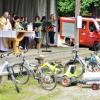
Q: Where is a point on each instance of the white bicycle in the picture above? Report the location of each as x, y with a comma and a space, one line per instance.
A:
9, 68
18, 74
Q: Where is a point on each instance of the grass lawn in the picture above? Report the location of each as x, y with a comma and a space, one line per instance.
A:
29, 91
33, 91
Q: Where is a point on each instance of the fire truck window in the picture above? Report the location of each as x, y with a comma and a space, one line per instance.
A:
92, 27
84, 25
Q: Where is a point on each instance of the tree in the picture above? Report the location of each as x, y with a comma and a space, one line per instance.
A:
67, 7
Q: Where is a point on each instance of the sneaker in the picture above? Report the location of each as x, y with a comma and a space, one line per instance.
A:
20, 47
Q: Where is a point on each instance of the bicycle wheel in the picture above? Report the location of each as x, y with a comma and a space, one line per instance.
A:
0, 79
96, 46
21, 73
79, 69
65, 81
48, 79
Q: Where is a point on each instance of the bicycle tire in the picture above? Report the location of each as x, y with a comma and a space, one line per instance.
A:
65, 81
78, 67
0, 79
96, 46
44, 77
22, 74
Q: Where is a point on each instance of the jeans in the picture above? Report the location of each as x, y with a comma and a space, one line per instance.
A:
51, 37
25, 42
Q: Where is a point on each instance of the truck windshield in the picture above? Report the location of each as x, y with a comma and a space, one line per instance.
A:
97, 24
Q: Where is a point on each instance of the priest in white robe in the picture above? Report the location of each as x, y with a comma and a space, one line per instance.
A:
4, 25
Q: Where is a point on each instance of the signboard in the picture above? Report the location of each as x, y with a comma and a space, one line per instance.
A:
79, 22
68, 29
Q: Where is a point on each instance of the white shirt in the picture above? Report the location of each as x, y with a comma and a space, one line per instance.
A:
5, 24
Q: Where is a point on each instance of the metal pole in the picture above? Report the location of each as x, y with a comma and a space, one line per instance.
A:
48, 4
76, 35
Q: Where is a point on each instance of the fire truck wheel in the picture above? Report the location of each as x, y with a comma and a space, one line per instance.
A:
96, 46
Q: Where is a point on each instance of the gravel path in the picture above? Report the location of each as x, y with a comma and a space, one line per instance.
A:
60, 93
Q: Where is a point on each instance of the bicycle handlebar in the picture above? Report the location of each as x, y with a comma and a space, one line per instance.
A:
74, 51
87, 58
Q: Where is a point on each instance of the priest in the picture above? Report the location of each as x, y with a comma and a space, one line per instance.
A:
4, 25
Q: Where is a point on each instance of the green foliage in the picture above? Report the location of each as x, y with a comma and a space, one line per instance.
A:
67, 7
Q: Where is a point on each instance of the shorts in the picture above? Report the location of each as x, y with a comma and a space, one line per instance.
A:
37, 40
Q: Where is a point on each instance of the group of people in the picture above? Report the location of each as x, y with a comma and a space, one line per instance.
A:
40, 26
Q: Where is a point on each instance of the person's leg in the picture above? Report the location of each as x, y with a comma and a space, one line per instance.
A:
22, 43
31, 43
52, 37
26, 42
37, 44
3, 44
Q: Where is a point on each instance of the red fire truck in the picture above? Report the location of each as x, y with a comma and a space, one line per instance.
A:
89, 34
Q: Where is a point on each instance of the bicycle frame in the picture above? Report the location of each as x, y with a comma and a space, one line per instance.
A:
27, 65
3, 67
10, 71
97, 58
82, 61
94, 57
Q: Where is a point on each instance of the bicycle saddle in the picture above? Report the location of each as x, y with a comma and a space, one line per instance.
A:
39, 58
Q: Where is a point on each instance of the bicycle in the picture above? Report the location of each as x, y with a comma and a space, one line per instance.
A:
10, 71
56, 67
41, 72
75, 69
94, 61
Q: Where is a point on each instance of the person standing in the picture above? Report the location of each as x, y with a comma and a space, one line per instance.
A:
25, 41
5, 25
19, 26
52, 30
25, 23
37, 28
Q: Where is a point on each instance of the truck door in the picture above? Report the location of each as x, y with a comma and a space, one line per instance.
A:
93, 36
83, 36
